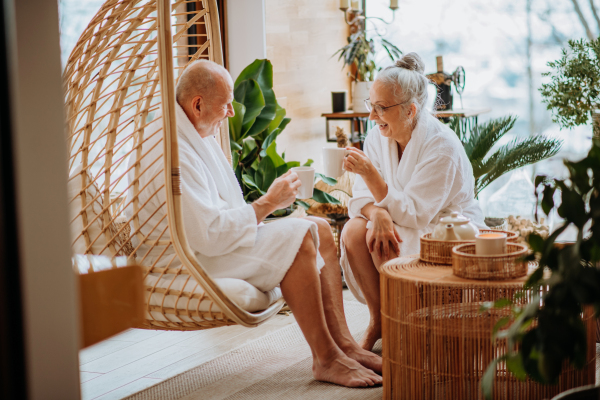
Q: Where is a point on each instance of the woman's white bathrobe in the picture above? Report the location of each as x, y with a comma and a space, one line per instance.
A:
221, 228
433, 178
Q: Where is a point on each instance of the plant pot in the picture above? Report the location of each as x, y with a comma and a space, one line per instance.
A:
590, 392
360, 92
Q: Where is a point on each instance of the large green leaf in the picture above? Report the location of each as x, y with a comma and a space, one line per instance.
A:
249, 151
235, 122
322, 197
279, 116
250, 94
250, 182
260, 71
272, 154
268, 173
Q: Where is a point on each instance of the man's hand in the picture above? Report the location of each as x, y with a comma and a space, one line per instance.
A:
283, 190
281, 194
383, 235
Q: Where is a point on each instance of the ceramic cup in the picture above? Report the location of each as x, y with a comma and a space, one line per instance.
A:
307, 177
487, 244
333, 160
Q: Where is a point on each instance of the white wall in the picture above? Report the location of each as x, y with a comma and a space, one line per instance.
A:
245, 33
49, 290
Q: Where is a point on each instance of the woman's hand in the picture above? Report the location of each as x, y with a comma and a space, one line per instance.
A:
358, 162
383, 236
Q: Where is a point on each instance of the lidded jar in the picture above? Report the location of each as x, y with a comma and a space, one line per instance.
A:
463, 228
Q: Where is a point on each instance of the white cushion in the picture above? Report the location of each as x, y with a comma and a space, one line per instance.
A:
94, 207
246, 296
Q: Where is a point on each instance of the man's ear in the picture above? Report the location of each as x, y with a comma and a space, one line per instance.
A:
197, 105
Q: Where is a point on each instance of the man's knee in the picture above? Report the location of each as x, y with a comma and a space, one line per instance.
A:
307, 248
354, 232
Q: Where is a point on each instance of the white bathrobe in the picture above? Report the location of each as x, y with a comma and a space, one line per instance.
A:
221, 228
433, 178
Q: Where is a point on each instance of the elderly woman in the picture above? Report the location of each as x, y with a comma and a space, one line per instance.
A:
413, 171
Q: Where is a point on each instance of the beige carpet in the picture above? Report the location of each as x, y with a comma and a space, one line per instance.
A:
276, 366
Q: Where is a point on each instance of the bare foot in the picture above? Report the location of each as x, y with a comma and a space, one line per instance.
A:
366, 358
371, 336
344, 371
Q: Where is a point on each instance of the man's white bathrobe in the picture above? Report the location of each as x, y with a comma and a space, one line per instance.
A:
221, 228
433, 178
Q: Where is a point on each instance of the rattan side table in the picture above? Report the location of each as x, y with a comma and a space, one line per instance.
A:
436, 343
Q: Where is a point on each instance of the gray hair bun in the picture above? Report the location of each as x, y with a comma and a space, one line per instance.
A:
411, 62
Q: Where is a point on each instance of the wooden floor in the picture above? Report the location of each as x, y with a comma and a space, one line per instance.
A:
137, 358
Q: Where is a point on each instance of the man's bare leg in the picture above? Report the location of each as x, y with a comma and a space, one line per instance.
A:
365, 266
301, 289
331, 289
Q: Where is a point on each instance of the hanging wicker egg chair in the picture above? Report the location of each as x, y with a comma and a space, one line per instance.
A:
119, 78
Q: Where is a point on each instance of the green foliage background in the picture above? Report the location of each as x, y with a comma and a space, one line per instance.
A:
253, 131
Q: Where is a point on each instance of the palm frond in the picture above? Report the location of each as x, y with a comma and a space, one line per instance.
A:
484, 136
513, 155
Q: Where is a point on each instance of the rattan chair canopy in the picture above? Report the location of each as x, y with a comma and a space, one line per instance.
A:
121, 72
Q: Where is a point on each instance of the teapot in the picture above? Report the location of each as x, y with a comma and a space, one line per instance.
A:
463, 228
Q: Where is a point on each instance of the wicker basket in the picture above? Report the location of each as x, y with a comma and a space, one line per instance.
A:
466, 264
440, 251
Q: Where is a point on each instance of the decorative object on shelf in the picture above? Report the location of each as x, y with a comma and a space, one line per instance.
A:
359, 56
356, 10
342, 138
443, 82
440, 251
257, 123
436, 339
481, 138
566, 282
573, 93
469, 265
461, 227
523, 227
338, 102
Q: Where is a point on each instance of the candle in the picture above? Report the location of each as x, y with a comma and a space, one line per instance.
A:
356, 5
344, 4
393, 4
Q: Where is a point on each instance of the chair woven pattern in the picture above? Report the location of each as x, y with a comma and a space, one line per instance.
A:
436, 342
440, 251
113, 93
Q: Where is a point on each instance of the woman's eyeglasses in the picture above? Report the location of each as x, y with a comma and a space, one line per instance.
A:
377, 108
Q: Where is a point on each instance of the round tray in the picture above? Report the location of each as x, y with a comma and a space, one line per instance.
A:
440, 251
466, 264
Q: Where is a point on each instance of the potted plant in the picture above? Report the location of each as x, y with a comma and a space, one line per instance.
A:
359, 55
479, 140
573, 93
549, 330
257, 123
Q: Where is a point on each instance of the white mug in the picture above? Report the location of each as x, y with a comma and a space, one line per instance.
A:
491, 243
333, 161
307, 177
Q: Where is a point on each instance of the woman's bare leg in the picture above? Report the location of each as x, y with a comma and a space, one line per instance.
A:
365, 266
301, 288
331, 289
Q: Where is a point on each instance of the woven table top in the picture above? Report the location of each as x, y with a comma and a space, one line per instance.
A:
411, 268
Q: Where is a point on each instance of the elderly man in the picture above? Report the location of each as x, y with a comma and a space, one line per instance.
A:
229, 240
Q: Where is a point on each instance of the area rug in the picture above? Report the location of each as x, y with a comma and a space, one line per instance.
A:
275, 366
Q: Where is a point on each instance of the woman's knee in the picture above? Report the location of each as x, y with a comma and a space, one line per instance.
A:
354, 233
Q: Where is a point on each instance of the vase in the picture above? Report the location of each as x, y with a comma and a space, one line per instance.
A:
360, 92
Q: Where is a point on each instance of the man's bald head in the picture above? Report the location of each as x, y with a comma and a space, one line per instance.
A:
202, 78
205, 93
